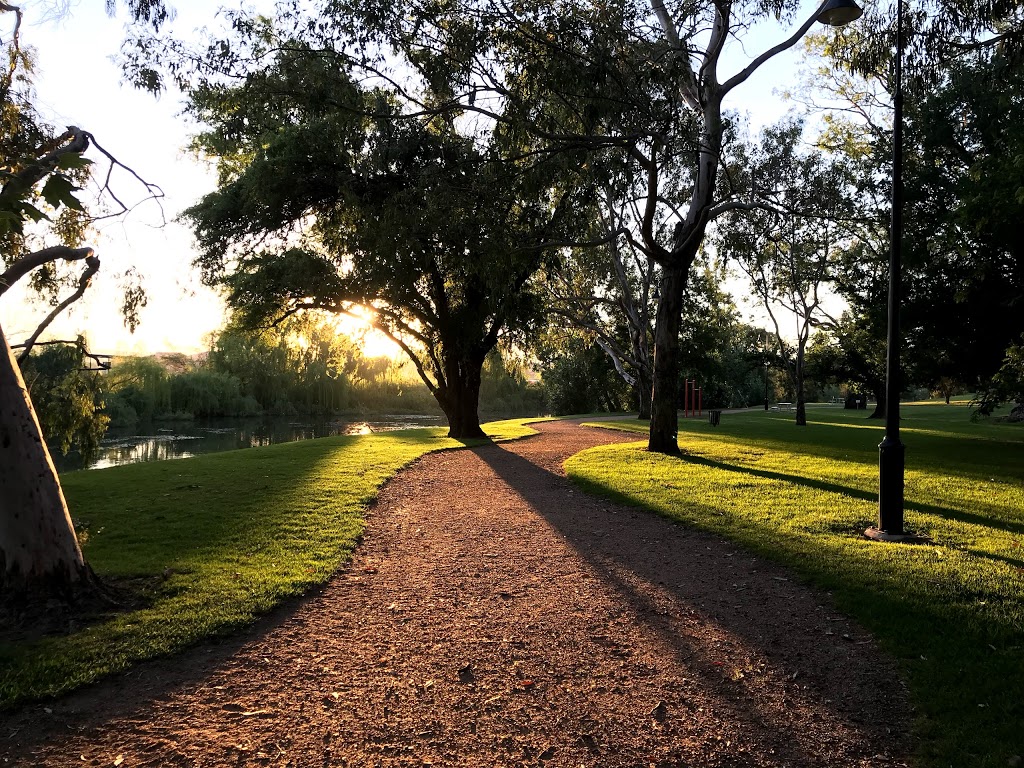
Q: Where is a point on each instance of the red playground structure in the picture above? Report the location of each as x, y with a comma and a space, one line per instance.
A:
692, 397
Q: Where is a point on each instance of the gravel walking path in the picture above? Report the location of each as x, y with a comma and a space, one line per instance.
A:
496, 616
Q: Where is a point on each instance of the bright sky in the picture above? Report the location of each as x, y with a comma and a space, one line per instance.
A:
78, 84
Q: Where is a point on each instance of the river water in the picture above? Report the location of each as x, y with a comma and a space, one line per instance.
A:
179, 440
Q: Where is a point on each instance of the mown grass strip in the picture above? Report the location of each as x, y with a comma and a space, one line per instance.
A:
234, 533
953, 613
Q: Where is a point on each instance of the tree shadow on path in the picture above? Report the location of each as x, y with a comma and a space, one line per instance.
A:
688, 651
745, 634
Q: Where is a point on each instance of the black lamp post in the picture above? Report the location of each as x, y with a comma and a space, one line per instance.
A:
891, 450
838, 13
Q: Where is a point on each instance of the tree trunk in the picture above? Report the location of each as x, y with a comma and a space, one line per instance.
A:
460, 399
801, 397
642, 354
643, 394
39, 553
879, 391
665, 396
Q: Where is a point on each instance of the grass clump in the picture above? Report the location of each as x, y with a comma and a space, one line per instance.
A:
219, 539
952, 612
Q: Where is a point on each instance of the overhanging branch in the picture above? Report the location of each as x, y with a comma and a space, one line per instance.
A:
26, 264
785, 45
92, 267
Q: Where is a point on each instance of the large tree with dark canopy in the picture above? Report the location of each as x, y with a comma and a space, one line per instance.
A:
337, 198
963, 265
965, 256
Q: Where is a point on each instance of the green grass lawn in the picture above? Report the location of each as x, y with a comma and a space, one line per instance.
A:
235, 533
952, 612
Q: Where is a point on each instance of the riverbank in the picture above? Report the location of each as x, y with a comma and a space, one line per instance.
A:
162, 440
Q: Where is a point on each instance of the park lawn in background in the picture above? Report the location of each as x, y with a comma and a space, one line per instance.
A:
234, 533
951, 612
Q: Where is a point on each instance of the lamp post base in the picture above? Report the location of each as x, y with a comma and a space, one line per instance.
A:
907, 537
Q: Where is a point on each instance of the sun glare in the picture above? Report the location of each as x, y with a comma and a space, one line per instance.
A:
373, 343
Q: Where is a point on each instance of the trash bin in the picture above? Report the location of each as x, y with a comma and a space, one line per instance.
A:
714, 417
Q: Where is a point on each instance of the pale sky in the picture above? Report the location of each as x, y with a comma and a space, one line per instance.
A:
78, 84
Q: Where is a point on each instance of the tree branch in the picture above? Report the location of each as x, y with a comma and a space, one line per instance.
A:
102, 361
612, 353
26, 264
73, 141
93, 266
785, 45
15, 46
688, 89
155, 192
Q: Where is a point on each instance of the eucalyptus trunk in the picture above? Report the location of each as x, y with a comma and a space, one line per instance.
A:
39, 553
643, 394
665, 390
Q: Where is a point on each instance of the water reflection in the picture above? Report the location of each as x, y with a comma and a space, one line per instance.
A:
186, 439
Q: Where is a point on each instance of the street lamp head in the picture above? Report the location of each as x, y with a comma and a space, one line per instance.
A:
837, 13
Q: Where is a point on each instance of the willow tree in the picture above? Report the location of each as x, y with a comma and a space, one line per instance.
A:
340, 199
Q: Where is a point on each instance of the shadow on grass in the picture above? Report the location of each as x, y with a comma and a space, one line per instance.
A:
858, 493
951, 636
668, 574
225, 536
927, 449
220, 541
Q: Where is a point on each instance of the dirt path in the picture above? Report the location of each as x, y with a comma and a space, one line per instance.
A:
495, 616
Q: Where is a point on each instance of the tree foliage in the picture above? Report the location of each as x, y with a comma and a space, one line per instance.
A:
1007, 385
301, 364
578, 376
607, 294
962, 266
937, 35
632, 91
793, 247
335, 197
717, 350
67, 396
965, 259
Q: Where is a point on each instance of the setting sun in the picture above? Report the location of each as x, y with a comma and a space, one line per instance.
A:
358, 325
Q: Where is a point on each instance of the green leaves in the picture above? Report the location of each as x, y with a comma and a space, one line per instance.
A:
58, 191
72, 161
67, 397
19, 197
16, 208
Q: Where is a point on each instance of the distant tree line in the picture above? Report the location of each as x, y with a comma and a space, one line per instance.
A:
303, 367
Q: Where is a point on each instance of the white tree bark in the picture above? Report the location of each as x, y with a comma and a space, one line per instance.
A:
39, 553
